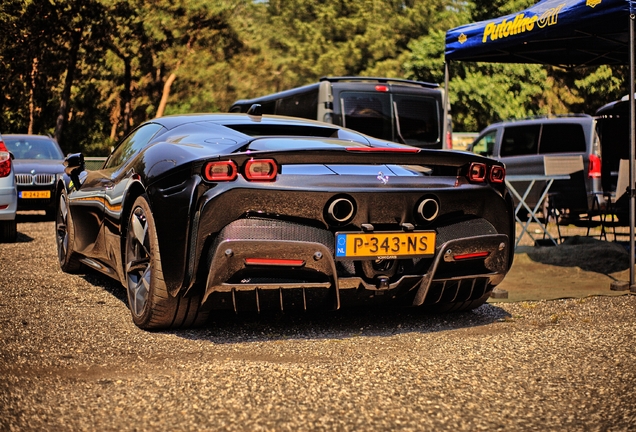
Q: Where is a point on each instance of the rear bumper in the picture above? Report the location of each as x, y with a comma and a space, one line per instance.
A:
8, 198
440, 279
36, 203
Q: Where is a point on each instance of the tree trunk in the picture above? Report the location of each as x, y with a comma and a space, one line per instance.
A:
34, 72
68, 83
165, 94
125, 106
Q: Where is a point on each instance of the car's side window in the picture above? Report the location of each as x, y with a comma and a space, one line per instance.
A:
562, 138
485, 145
131, 145
520, 140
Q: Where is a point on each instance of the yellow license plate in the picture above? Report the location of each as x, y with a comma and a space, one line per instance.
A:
385, 245
35, 194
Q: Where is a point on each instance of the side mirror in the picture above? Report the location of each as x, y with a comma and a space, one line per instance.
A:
73, 166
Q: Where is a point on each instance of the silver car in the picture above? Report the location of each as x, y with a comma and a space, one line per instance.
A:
8, 196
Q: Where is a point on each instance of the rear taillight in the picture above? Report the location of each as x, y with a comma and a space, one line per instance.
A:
260, 170
497, 174
253, 170
594, 170
477, 172
220, 171
5, 160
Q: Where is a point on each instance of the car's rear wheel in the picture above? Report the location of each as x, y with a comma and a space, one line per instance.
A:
8, 231
151, 305
65, 237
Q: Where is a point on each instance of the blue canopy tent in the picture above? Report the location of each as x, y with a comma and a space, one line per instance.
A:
564, 33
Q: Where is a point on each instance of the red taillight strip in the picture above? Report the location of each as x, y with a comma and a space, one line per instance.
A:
225, 171
274, 262
383, 149
471, 255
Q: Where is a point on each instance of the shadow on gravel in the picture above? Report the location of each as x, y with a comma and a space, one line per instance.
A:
109, 285
23, 238
228, 328
31, 217
584, 252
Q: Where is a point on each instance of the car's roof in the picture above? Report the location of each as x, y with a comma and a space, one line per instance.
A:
172, 121
570, 118
29, 136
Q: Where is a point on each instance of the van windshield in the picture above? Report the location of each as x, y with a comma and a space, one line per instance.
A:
404, 118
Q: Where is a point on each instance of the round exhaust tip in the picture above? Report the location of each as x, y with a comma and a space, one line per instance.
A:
340, 210
428, 209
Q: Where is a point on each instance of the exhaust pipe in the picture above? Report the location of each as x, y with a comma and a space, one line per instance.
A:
340, 210
428, 209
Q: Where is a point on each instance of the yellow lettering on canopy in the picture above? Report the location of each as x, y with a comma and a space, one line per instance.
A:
550, 16
523, 23
490, 28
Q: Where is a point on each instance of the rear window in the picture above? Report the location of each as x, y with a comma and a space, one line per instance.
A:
562, 138
409, 119
369, 113
418, 119
520, 140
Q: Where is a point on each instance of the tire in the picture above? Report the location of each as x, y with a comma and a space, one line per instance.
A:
8, 231
150, 303
65, 237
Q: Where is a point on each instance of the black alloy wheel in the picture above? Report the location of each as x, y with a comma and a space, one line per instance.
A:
65, 237
150, 303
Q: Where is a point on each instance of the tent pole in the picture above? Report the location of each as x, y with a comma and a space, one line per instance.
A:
632, 168
445, 102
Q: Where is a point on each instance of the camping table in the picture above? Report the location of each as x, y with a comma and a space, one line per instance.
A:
532, 212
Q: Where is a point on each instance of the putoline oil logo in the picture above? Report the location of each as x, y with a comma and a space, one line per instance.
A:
522, 23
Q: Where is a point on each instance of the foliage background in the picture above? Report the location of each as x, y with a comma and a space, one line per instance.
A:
87, 71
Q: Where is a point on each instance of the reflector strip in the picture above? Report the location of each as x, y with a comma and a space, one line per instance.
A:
471, 255
274, 262
383, 149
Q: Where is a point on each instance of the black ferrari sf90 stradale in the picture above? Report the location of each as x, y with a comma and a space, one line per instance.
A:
195, 213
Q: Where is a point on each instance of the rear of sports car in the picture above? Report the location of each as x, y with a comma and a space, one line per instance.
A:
337, 224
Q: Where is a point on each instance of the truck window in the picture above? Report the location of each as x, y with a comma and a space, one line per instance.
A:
303, 105
562, 138
369, 113
485, 145
520, 140
418, 119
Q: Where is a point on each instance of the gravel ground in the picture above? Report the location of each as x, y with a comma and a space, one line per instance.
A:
71, 359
